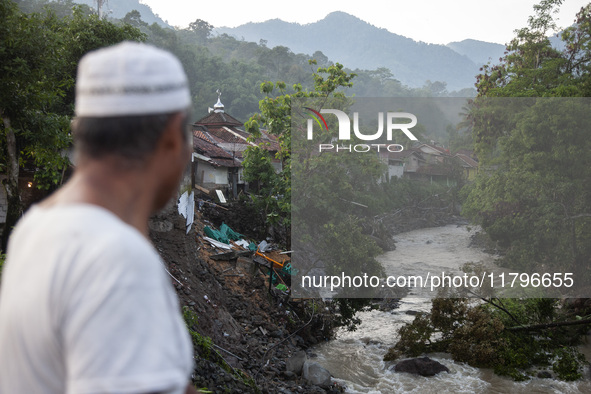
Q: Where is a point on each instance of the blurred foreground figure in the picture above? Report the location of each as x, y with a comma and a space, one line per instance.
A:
85, 303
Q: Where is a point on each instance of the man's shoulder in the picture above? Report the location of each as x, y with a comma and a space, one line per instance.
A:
76, 220
84, 234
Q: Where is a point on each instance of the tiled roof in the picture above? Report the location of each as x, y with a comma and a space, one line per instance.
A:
201, 133
220, 128
219, 119
271, 141
467, 152
224, 135
434, 170
401, 155
217, 155
233, 135
417, 152
468, 161
436, 148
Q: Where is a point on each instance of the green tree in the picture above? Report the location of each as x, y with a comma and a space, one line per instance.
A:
532, 197
134, 18
310, 184
533, 68
275, 116
534, 194
530, 129
30, 88
38, 58
201, 28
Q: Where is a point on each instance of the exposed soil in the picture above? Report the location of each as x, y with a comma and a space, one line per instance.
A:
253, 330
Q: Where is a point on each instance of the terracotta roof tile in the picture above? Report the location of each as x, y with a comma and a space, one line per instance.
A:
401, 155
468, 161
217, 155
202, 134
222, 134
271, 141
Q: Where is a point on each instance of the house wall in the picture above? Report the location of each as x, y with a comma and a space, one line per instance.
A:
211, 177
412, 164
241, 176
277, 165
470, 173
395, 169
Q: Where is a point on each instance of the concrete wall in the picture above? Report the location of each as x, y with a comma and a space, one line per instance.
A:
211, 177
395, 169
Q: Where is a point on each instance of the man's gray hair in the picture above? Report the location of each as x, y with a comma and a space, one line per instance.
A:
131, 138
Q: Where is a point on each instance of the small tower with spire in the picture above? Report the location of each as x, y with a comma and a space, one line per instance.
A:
219, 107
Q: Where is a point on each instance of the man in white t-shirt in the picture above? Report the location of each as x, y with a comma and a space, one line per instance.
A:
85, 303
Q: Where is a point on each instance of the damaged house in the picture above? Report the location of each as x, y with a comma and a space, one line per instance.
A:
219, 143
431, 163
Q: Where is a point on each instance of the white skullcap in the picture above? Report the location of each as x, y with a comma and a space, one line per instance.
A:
130, 79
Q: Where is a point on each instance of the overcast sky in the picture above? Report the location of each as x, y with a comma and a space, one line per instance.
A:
432, 21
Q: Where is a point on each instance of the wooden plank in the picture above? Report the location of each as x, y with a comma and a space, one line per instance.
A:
221, 196
202, 189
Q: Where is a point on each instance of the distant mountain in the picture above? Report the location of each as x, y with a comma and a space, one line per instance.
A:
479, 52
119, 8
357, 44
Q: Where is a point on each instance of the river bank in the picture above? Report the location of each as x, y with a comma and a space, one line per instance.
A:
252, 333
356, 358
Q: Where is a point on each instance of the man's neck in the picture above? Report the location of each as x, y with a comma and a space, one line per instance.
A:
126, 193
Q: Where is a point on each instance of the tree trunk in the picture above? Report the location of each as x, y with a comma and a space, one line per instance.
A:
549, 325
15, 208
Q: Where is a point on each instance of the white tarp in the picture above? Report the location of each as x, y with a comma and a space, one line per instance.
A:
217, 244
186, 207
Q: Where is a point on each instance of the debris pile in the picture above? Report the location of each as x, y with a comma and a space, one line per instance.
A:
246, 324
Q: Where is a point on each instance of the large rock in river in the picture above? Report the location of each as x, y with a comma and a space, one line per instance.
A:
423, 366
315, 374
296, 362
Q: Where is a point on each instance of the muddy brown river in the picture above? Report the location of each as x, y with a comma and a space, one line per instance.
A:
355, 358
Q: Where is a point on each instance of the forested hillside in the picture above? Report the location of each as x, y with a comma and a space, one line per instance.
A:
478, 51
238, 67
119, 8
348, 40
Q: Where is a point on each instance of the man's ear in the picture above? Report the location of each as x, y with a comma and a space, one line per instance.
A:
172, 138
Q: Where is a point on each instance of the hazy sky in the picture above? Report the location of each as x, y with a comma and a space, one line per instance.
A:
432, 21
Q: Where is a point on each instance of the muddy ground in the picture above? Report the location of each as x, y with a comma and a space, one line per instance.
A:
253, 332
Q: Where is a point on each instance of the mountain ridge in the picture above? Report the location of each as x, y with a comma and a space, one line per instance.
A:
119, 8
344, 38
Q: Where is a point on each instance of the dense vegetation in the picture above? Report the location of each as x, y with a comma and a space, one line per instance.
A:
532, 198
536, 201
39, 53
43, 40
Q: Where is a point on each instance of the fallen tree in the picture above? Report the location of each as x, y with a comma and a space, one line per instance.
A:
515, 337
